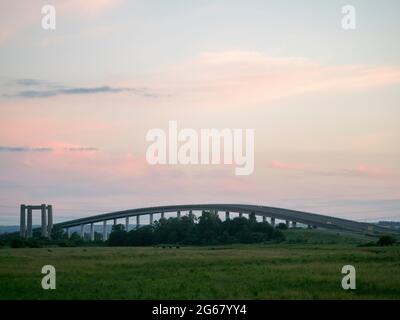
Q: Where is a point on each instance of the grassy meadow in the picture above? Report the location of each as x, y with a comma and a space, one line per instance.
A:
307, 266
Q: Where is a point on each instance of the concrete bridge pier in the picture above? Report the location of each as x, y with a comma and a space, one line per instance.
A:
105, 230
127, 224
29, 220
82, 231
49, 220
115, 222
69, 233
294, 224
178, 214
264, 219
92, 231
22, 224
240, 214
44, 220
137, 222
25, 229
273, 222
162, 215
227, 215
151, 218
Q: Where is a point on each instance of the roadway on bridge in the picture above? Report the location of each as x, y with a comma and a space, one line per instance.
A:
312, 219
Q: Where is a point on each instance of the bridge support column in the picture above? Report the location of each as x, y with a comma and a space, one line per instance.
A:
29, 225
22, 228
287, 222
44, 220
104, 230
178, 214
294, 224
127, 224
273, 222
240, 215
227, 215
69, 233
49, 220
264, 219
82, 231
151, 218
137, 222
115, 222
92, 231
162, 215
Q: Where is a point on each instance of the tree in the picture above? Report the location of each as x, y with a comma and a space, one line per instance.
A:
118, 227
58, 233
118, 237
386, 241
208, 228
144, 236
282, 226
17, 243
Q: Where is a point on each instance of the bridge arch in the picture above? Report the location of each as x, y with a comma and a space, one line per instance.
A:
288, 215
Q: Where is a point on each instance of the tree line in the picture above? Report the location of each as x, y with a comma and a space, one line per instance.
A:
208, 229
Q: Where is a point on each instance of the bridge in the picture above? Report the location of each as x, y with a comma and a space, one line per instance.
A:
291, 218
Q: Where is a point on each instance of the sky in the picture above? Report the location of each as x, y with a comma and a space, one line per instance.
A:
76, 104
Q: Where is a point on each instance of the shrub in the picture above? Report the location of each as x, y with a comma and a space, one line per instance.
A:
282, 226
386, 241
17, 243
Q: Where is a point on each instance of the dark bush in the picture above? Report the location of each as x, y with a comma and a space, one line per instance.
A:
117, 238
386, 241
282, 226
17, 243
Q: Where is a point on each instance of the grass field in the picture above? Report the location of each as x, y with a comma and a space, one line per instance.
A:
308, 266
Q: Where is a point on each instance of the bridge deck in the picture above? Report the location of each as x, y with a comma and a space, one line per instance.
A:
307, 218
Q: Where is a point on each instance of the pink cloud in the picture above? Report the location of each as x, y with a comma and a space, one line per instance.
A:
370, 171
243, 78
287, 166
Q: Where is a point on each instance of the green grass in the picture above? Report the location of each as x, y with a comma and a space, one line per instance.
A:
280, 271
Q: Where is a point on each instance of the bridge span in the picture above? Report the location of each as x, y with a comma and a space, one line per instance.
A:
289, 216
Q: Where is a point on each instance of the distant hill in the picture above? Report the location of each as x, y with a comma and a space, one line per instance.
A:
8, 229
390, 224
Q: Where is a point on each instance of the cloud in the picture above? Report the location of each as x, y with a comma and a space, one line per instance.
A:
58, 148
29, 82
358, 171
45, 89
251, 77
24, 149
286, 166
68, 91
365, 170
80, 149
